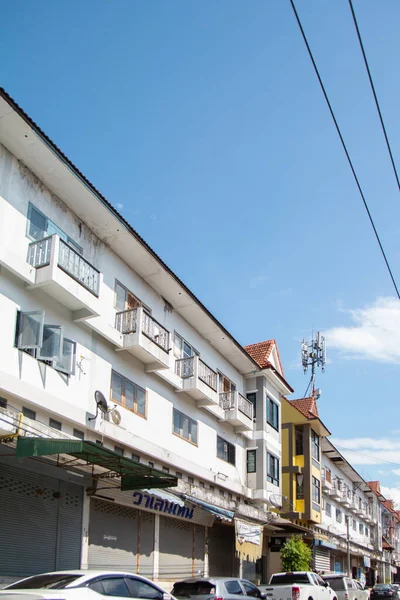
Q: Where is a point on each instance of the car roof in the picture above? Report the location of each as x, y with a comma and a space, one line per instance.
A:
209, 579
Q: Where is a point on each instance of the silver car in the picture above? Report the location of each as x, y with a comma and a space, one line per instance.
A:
346, 588
211, 588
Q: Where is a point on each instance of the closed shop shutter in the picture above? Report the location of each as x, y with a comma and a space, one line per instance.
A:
41, 523
113, 536
145, 566
322, 559
221, 551
181, 551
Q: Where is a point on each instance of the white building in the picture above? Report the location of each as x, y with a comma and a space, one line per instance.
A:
350, 508
87, 306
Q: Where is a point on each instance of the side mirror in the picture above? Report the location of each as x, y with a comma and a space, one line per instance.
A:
263, 596
327, 584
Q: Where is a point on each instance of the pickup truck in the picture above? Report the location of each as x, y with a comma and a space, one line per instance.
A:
299, 585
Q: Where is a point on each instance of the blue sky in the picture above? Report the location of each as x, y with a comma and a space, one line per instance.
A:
204, 123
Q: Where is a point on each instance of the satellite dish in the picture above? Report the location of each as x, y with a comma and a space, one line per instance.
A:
281, 502
101, 404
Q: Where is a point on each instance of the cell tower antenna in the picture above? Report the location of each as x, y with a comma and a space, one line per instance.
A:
313, 354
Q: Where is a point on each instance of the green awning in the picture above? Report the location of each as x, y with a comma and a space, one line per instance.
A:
110, 465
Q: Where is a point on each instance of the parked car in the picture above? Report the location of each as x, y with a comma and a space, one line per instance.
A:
223, 588
384, 590
299, 585
83, 585
346, 588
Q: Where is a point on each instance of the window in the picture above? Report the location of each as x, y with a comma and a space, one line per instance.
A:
28, 413
182, 348
251, 461
3, 403
55, 424
190, 479
185, 427
39, 226
361, 528
125, 300
225, 384
201, 484
142, 589
118, 450
165, 470
299, 486
128, 394
299, 440
339, 515
328, 475
328, 510
179, 474
250, 589
45, 342
315, 445
135, 457
272, 469
272, 414
111, 586
225, 450
233, 587
78, 434
366, 531
151, 464
252, 398
316, 490
354, 525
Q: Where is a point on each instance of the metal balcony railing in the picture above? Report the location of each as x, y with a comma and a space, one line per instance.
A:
207, 375
69, 260
233, 399
184, 367
126, 321
155, 331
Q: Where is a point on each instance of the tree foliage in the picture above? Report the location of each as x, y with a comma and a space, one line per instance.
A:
296, 555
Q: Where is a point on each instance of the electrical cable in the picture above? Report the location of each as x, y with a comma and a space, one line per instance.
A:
345, 148
374, 93
387, 462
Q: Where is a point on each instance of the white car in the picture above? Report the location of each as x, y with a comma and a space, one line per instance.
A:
84, 585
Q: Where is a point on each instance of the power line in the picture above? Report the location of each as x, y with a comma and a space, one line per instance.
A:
374, 93
387, 462
345, 148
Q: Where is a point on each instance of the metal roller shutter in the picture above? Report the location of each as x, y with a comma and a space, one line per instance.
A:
145, 566
40, 523
198, 547
322, 559
176, 548
113, 536
221, 551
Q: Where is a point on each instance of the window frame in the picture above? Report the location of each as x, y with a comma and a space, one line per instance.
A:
328, 478
339, 515
191, 421
272, 411
315, 487
180, 355
254, 403
136, 387
328, 512
299, 439
273, 477
220, 379
315, 445
230, 452
128, 291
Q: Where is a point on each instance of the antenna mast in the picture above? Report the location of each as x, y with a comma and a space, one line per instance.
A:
313, 354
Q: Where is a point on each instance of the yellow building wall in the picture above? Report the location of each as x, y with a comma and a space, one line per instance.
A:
299, 460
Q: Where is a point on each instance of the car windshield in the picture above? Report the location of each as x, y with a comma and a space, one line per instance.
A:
193, 588
382, 586
289, 578
55, 581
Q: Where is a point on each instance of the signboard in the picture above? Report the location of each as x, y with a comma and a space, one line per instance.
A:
276, 543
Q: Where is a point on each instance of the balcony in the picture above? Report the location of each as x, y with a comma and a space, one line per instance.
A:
66, 276
198, 380
144, 337
347, 499
327, 483
238, 410
337, 491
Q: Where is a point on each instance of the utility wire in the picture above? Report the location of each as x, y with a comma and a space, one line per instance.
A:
345, 148
374, 93
381, 460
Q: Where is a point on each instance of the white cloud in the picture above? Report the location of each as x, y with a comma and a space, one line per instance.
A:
396, 471
374, 335
258, 280
369, 451
392, 493
119, 206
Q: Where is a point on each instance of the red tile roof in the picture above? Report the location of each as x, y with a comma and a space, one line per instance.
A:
261, 352
307, 406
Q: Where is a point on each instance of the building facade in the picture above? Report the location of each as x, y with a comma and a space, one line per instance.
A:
135, 431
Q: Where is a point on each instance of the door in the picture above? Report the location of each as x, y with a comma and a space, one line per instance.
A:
41, 523
323, 591
221, 548
177, 549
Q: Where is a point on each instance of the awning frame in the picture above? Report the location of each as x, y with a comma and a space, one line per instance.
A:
104, 464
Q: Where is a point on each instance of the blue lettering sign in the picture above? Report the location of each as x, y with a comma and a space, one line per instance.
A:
139, 498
